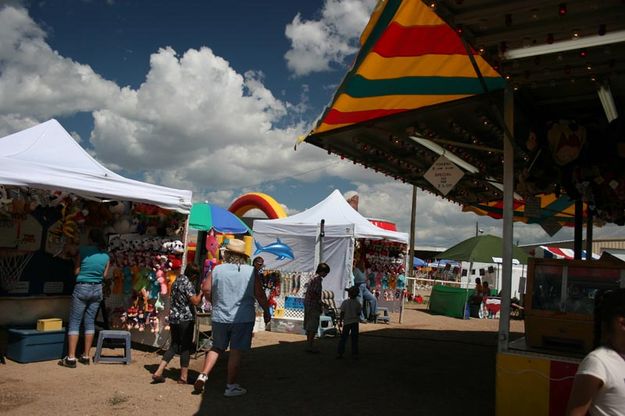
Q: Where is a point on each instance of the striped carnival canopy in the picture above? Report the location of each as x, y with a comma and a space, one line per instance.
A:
560, 209
426, 92
410, 58
411, 62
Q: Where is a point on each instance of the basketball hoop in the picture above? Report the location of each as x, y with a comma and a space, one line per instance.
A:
12, 266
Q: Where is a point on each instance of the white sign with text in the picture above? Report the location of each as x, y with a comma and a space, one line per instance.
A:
444, 175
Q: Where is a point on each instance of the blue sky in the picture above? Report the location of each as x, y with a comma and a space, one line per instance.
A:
208, 96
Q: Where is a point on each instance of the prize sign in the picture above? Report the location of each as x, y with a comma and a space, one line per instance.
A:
444, 175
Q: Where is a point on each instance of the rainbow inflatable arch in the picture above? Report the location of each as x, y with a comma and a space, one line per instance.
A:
263, 202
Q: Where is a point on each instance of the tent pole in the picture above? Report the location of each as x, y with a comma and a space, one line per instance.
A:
186, 242
508, 194
579, 225
413, 214
589, 235
322, 234
413, 221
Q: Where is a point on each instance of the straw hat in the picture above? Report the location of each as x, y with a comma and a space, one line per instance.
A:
236, 246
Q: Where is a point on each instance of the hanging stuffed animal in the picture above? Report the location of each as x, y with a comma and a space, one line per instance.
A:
159, 305
154, 324
566, 139
212, 246
127, 278
155, 286
118, 281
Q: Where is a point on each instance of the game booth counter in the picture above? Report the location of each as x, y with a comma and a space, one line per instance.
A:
332, 232
52, 192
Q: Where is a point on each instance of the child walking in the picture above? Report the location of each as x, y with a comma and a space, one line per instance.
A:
350, 315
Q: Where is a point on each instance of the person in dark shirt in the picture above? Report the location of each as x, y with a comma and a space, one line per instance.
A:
312, 306
181, 321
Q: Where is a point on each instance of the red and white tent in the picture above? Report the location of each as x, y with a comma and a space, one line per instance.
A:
545, 252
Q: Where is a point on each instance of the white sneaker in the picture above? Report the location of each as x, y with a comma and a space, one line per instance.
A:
198, 386
234, 390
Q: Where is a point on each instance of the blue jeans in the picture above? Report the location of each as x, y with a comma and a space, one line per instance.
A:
85, 303
366, 295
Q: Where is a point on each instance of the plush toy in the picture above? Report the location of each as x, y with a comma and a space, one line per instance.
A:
566, 139
161, 281
118, 281
132, 320
212, 246
154, 324
155, 286
159, 305
392, 281
381, 280
401, 281
175, 263
171, 278
209, 265
127, 279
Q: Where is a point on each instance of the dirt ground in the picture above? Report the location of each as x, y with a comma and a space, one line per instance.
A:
428, 365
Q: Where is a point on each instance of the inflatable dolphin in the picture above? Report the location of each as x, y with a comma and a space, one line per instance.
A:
278, 249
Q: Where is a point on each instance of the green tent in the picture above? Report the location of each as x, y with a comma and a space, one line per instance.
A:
449, 301
482, 249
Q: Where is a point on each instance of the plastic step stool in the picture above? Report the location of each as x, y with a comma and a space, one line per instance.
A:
325, 325
382, 315
116, 337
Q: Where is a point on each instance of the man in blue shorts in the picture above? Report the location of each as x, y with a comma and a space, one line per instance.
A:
232, 289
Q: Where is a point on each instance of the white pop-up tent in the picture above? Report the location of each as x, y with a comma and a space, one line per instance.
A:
302, 234
47, 157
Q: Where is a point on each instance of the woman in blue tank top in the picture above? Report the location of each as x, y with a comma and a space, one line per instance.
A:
92, 264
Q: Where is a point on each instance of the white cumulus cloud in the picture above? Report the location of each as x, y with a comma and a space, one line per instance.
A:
35, 81
318, 44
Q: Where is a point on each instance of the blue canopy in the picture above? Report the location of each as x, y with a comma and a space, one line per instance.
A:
417, 262
205, 217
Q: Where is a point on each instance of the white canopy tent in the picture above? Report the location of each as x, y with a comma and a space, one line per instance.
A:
47, 157
302, 233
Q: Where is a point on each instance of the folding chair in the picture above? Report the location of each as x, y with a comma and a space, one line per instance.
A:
330, 309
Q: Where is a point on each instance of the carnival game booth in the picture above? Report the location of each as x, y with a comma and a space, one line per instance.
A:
488, 101
52, 193
330, 232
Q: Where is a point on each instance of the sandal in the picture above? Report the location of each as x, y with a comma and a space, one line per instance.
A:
157, 379
182, 381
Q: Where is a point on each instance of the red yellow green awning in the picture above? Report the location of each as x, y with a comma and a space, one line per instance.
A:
560, 209
409, 58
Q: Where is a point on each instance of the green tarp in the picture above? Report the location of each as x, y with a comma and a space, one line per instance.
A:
449, 301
